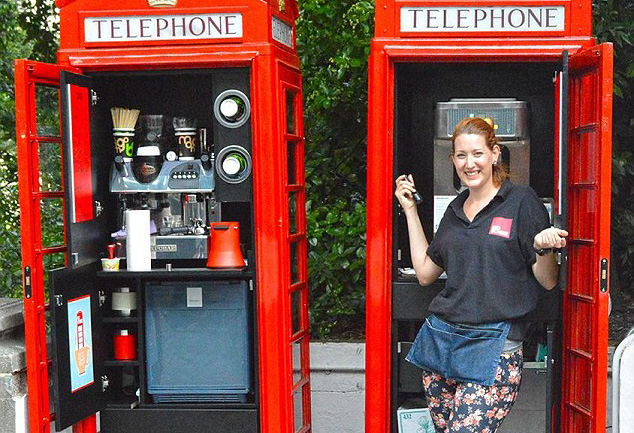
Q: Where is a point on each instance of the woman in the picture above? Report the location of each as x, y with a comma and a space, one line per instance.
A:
496, 245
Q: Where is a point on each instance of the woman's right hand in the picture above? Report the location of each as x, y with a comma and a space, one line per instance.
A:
404, 192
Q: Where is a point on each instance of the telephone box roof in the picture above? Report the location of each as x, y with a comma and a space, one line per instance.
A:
92, 25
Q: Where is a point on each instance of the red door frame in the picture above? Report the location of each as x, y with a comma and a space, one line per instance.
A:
385, 53
28, 75
585, 351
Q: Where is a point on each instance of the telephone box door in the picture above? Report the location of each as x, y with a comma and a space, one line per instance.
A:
41, 212
585, 336
82, 203
78, 359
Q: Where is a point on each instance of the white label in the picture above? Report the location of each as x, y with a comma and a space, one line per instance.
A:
483, 19
162, 27
194, 297
282, 32
441, 203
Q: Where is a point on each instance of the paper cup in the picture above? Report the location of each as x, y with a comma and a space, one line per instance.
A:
110, 265
124, 142
187, 143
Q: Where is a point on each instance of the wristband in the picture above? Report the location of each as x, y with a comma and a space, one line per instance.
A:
542, 251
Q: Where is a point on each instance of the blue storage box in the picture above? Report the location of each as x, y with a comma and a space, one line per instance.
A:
197, 341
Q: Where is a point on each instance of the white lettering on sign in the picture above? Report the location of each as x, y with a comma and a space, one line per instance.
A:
282, 32
483, 19
162, 27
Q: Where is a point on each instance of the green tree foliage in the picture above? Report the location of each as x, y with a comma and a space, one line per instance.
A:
27, 30
614, 22
334, 44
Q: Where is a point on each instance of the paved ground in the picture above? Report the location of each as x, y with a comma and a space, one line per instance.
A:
528, 414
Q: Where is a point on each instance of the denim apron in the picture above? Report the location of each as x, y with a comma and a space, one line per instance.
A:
466, 353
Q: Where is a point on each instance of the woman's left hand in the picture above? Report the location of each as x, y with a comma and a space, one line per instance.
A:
550, 238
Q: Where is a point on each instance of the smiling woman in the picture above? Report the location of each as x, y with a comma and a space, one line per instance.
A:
495, 245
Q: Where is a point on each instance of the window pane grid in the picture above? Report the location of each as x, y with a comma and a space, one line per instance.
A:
301, 383
291, 111
48, 155
299, 311
298, 253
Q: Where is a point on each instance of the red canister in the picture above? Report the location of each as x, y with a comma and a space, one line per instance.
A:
224, 248
124, 346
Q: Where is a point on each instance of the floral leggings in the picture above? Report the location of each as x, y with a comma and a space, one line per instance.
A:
467, 407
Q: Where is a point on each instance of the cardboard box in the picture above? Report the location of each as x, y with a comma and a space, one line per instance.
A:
416, 420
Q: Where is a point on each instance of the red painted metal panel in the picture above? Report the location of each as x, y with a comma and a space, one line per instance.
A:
28, 75
81, 164
272, 240
256, 19
585, 302
379, 242
290, 83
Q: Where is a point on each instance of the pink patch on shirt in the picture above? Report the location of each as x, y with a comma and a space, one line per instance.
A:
501, 227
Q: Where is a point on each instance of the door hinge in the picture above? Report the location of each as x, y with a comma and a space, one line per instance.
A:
604, 275
75, 258
102, 298
104, 383
59, 300
98, 208
94, 98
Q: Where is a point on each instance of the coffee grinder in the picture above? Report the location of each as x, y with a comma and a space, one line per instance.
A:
179, 192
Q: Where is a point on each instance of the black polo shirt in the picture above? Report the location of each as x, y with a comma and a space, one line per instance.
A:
488, 260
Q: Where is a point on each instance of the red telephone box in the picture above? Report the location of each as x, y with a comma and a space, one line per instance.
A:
216, 349
534, 67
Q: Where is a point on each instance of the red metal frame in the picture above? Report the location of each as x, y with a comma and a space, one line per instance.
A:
585, 354
28, 75
273, 66
389, 47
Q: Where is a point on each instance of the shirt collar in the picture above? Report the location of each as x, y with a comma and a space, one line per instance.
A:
457, 204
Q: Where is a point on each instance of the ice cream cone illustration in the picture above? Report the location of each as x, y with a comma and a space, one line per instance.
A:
81, 353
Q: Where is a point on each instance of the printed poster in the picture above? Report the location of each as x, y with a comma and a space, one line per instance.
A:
441, 203
80, 343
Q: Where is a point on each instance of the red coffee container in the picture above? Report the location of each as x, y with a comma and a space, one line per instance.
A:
224, 248
124, 346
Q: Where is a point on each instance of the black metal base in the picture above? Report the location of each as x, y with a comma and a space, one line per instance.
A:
170, 420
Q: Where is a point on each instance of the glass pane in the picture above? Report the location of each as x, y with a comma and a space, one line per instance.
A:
47, 111
50, 155
294, 266
296, 310
297, 361
298, 409
292, 176
292, 212
52, 222
290, 112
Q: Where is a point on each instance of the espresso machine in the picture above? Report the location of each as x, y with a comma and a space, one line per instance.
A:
510, 122
178, 190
